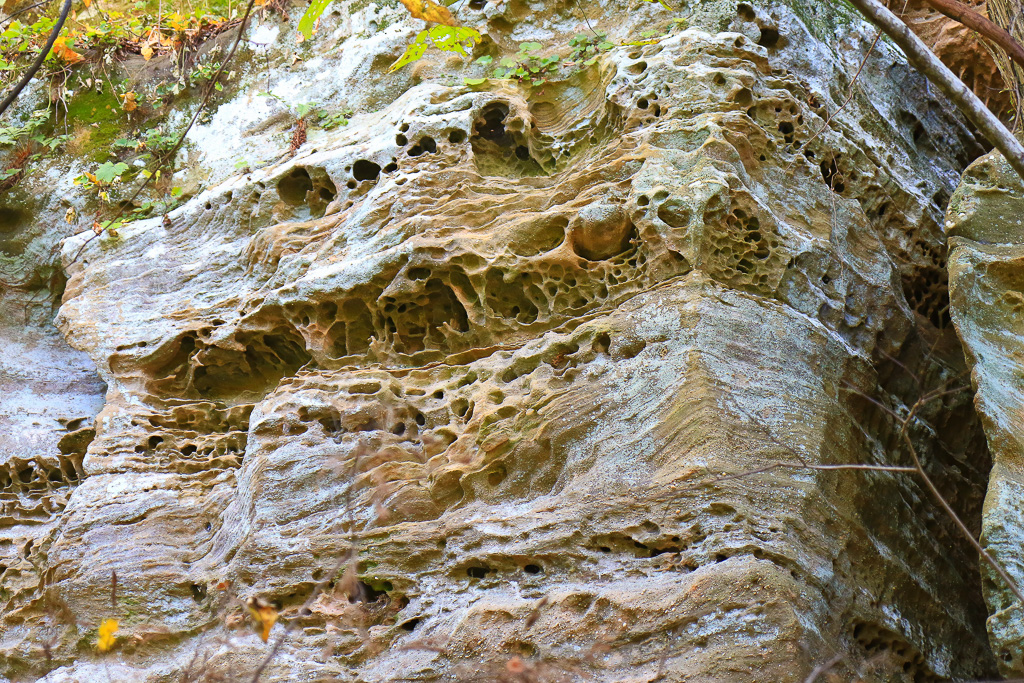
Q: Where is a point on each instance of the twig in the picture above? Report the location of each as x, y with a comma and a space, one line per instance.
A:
586, 18
849, 95
320, 585
22, 11
935, 71
983, 25
822, 668
36, 65
169, 156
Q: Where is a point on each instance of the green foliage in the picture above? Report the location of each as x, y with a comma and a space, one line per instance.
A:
107, 173
460, 39
9, 135
313, 112
329, 120
526, 66
586, 47
313, 12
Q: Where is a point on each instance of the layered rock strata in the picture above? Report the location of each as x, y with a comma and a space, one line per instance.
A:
473, 386
986, 268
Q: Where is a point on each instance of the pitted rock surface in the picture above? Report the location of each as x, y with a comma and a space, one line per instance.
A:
486, 360
986, 268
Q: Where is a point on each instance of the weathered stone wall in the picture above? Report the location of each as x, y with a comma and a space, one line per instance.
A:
505, 347
984, 222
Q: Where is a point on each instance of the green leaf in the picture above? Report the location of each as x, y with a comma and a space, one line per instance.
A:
474, 81
108, 172
218, 87
605, 46
485, 60
529, 47
459, 39
316, 8
413, 52
508, 62
177, 192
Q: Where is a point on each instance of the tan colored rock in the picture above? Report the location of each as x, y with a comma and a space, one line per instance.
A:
472, 379
986, 268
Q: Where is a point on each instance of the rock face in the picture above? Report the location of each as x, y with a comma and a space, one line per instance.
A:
986, 269
469, 389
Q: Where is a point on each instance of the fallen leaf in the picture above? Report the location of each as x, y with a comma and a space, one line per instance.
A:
147, 52
129, 102
65, 53
430, 11
105, 638
264, 614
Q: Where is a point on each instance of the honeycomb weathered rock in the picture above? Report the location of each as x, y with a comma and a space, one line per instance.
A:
503, 343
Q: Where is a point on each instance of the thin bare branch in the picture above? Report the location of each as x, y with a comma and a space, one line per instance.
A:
822, 668
935, 71
38, 63
983, 25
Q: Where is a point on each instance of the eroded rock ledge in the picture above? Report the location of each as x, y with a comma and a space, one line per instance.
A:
502, 345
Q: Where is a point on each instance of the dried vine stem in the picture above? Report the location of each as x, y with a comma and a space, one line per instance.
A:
36, 65
169, 156
933, 489
935, 71
983, 25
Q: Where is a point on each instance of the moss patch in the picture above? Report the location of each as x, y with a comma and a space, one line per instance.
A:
98, 120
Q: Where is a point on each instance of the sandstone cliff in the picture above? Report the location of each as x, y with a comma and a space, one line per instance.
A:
472, 388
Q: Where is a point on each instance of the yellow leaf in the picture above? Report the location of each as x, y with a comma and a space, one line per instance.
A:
105, 638
92, 178
129, 102
430, 11
264, 614
65, 53
88, 3
147, 52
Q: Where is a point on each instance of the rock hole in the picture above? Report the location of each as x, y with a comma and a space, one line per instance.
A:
401, 140
496, 476
457, 137
198, 592
602, 343
532, 569
364, 592
491, 124
637, 68
770, 38
293, 187
745, 11
411, 625
831, 175
477, 572
426, 145
365, 170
